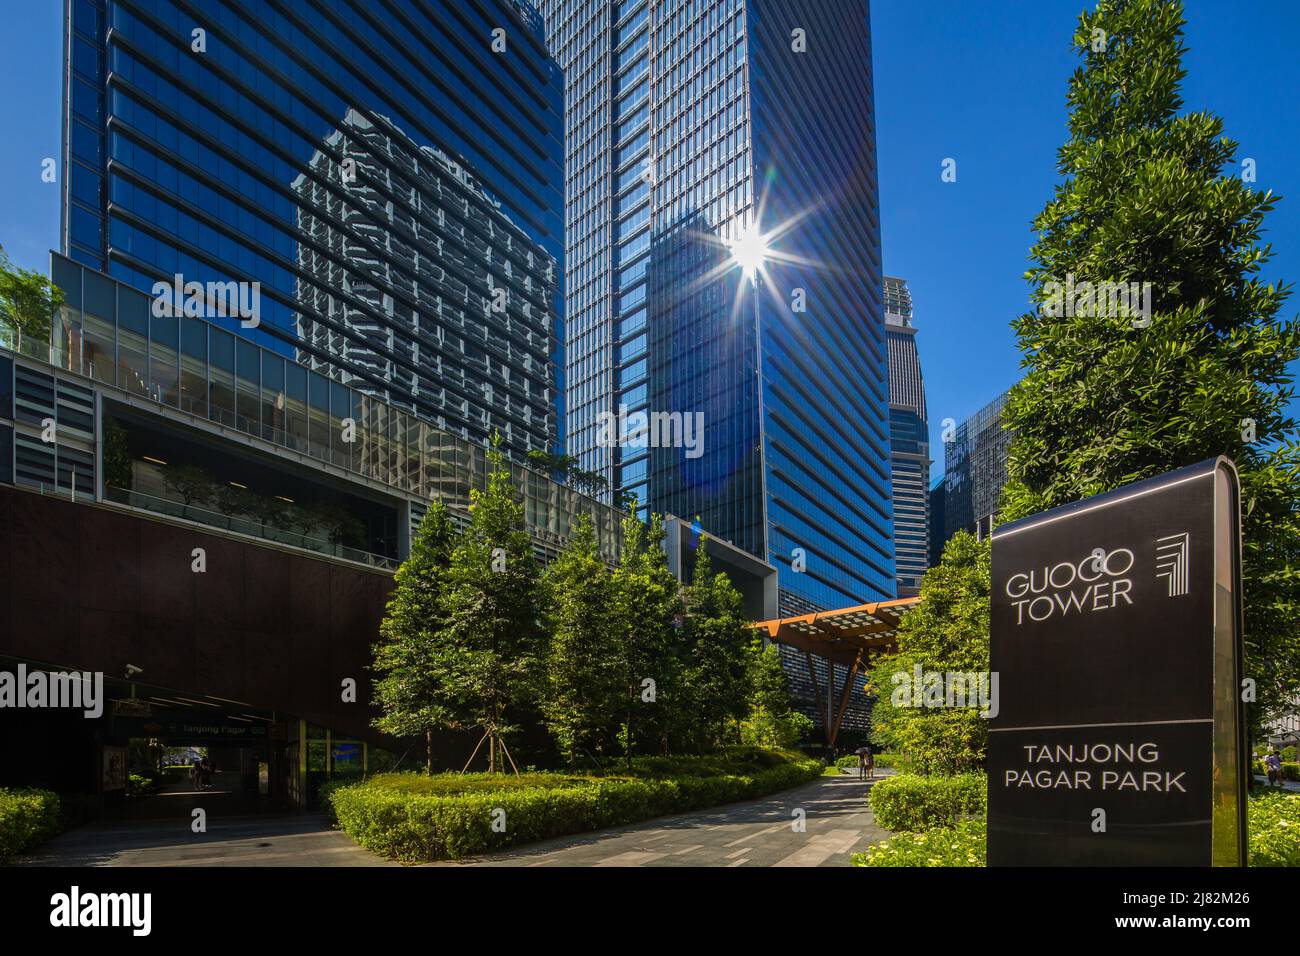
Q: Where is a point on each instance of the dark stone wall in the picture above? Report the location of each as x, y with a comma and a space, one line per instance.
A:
89, 588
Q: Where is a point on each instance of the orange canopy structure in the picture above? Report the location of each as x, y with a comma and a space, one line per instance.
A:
846, 636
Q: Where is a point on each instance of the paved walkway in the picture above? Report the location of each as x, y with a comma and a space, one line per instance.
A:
287, 840
836, 818
837, 821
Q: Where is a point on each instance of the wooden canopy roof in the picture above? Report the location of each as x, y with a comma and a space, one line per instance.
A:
839, 635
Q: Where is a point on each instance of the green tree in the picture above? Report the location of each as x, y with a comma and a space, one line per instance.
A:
771, 721
946, 633
28, 301
582, 692
493, 629
1152, 194
117, 456
565, 468
411, 655
647, 617
194, 484
717, 648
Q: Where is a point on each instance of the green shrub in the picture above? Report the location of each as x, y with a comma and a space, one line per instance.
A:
1274, 828
906, 802
418, 818
26, 818
1290, 771
1288, 753
881, 760
1273, 837
962, 845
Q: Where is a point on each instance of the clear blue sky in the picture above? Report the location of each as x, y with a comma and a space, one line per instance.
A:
985, 84
981, 82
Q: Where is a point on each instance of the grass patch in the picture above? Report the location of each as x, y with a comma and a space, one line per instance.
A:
417, 818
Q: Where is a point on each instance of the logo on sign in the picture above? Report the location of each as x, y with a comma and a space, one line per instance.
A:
1171, 562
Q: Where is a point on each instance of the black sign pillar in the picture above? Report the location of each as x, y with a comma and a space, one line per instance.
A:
1116, 637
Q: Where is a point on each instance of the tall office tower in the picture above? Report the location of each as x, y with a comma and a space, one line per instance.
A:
909, 441
975, 471
390, 173
724, 272
938, 515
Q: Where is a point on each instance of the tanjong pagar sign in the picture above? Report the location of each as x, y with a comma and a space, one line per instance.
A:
1116, 636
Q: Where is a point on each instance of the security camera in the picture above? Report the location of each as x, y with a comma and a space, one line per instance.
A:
132, 670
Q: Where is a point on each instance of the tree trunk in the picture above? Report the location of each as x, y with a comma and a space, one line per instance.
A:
428, 751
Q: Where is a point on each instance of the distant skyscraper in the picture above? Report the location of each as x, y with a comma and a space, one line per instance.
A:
938, 510
723, 259
975, 471
909, 441
393, 183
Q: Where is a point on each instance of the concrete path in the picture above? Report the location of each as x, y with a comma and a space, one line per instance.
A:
835, 815
306, 840
1288, 786
837, 823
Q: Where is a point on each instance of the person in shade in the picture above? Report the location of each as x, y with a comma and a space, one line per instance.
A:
1273, 764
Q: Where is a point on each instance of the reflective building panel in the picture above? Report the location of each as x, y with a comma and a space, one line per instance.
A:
724, 262
389, 173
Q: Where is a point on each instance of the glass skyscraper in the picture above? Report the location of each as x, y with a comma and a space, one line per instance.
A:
975, 472
389, 171
909, 440
723, 261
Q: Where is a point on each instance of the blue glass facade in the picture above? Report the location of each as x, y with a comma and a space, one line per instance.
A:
691, 125
389, 171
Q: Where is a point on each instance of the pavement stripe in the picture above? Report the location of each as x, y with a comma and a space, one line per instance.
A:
143, 858
738, 862
848, 843
757, 833
819, 849
688, 849
631, 858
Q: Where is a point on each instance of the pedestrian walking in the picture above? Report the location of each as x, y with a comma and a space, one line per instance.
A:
1273, 764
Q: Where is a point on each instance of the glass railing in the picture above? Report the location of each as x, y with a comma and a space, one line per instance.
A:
389, 445
246, 526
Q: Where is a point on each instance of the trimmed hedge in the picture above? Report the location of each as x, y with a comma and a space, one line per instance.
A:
882, 760
911, 803
1290, 771
416, 818
26, 818
962, 845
